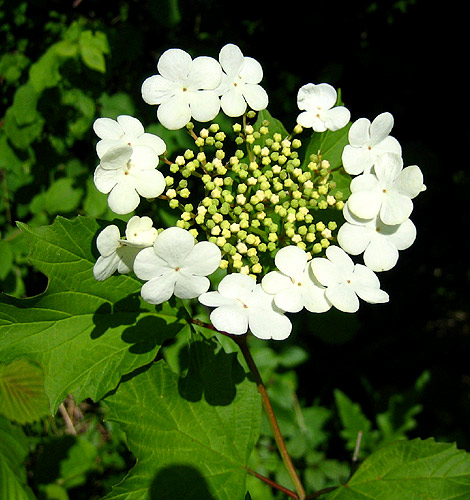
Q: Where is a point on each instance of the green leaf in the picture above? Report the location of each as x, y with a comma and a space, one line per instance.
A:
354, 421
24, 105
411, 470
93, 47
192, 436
84, 334
329, 145
22, 397
13, 452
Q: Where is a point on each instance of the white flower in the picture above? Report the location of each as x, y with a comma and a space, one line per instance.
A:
379, 242
117, 254
127, 173
184, 88
387, 193
240, 80
345, 281
241, 304
367, 141
124, 131
319, 113
177, 265
293, 285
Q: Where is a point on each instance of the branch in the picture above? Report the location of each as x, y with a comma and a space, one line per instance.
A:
273, 484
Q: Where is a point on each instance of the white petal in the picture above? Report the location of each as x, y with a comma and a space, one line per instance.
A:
289, 299
174, 113
231, 59
116, 158
404, 236
204, 105
105, 267
358, 134
231, 319
105, 145
174, 65
410, 181
149, 183
148, 265
274, 282
387, 167
105, 180
356, 160
236, 285
255, 96
108, 240
123, 198
395, 208
131, 126
252, 71
173, 245
353, 238
205, 74
365, 204
159, 290
381, 127
189, 286
233, 103
343, 297
291, 260
325, 271
204, 259
106, 128
154, 142
340, 259
381, 255
215, 299
156, 89
336, 118
313, 297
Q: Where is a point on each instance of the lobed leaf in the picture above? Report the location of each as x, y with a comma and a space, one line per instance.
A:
411, 470
84, 334
192, 436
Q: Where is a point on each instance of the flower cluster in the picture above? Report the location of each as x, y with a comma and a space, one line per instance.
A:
272, 213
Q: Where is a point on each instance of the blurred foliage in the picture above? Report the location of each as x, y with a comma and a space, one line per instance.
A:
63, 64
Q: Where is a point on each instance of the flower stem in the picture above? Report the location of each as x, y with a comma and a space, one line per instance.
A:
273, 484
241, 342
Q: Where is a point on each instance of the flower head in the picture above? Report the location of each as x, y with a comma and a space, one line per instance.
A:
346, 282
184, 88
240, 80
388, 192
127, 173
367, 141
124, 131
379, 242
319, 110
176, 265
293, 285
241, 305
118, 254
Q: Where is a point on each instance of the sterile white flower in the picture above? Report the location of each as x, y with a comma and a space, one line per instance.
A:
319, 110
241, 305
124, 131
345, 281
379, 242
293, 284
388, 192
184, 88
367, 141
240, 80
176, 265
127, 173
118, 254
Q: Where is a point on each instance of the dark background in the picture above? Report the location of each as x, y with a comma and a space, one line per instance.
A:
405, 57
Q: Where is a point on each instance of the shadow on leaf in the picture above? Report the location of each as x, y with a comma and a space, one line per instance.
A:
212, 373
179, 481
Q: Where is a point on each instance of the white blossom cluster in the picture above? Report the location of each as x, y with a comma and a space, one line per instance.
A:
172, 262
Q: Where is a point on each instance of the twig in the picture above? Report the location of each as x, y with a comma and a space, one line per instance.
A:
273, 484
70, 429
320, 492
357, 447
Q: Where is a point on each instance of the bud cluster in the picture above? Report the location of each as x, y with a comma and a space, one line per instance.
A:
254, 198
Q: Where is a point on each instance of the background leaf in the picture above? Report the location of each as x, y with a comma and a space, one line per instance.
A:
414, 470
84, 334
